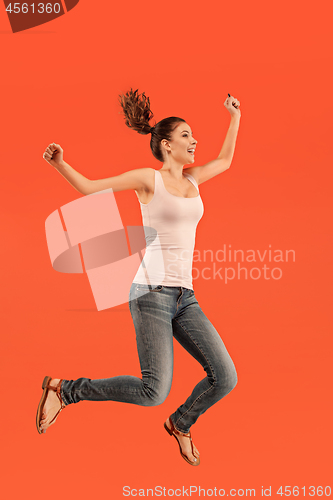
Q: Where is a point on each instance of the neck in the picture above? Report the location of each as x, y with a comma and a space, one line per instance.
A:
174, 168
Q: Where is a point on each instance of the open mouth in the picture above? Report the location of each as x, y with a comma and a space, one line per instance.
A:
191, 151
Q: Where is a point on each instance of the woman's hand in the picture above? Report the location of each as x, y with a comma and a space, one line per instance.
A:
232, 105
54, 155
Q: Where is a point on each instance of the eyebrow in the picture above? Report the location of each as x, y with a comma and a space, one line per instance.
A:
185, 131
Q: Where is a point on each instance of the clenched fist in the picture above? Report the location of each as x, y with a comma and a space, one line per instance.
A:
54, 154
232, 104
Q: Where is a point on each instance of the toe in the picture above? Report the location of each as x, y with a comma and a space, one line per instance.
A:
196, 452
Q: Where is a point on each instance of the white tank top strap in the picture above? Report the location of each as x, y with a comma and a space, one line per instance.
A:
191, 179
158, 178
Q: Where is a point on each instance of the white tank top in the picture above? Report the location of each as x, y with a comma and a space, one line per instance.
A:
170, 224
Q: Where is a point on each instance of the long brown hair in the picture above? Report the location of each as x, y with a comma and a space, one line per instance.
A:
137, 112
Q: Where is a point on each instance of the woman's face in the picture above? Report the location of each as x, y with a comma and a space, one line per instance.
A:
182, 146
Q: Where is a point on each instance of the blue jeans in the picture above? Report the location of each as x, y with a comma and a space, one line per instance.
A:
159, 314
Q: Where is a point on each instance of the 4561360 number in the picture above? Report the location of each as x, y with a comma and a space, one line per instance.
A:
38, 8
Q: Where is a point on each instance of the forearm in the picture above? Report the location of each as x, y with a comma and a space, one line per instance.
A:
228, 148
77, 180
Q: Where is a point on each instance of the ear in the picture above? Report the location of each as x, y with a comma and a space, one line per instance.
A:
165, 145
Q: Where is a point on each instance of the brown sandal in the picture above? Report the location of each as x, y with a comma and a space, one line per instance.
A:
173, 432
46, 386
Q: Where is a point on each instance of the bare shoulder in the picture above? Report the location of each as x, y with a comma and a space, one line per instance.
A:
147, 177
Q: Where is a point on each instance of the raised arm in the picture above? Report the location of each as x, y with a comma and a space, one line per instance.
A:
224, 159
132, 179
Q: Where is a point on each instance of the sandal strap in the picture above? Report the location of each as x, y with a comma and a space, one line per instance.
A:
182, 434
55, 416
175, 431
59, 394
57, 389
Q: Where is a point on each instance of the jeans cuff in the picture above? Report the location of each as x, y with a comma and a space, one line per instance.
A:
172, 418
65, 393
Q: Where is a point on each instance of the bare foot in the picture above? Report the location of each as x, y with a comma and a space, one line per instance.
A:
51, 406
185, 444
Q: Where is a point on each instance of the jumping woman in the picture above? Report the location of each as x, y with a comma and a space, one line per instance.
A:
161, 298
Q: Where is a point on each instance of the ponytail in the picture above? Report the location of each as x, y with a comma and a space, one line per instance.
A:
137, 112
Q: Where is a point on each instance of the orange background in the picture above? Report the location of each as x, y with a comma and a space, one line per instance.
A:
60, 82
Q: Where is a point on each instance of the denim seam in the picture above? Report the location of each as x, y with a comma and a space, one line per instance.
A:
211, 387
141, 329
178, 300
